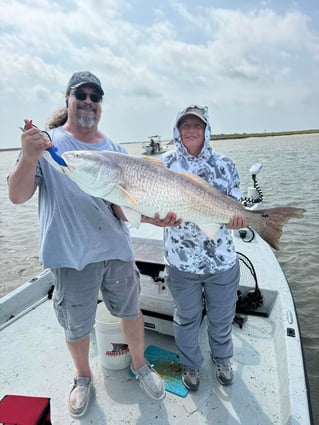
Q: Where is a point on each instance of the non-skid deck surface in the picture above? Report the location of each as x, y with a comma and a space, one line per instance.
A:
35, 361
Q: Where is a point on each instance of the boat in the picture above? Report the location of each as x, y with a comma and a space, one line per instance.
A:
154, 146
270, 384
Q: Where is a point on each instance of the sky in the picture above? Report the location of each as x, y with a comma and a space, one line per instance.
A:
255, 64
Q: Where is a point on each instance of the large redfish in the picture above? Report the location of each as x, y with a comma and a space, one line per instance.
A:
146, 187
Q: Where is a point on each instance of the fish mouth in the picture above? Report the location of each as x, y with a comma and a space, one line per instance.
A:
67, 163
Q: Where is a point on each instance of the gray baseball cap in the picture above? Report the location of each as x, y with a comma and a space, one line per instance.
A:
192, 110
84, 77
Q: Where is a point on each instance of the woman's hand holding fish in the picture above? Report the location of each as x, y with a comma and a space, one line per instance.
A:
237, 221
168, 221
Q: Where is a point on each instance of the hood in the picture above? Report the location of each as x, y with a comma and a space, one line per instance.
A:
181, 151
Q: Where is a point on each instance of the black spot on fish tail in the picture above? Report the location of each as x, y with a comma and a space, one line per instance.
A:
270, 222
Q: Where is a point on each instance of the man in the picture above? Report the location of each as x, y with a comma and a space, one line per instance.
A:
197, 267
82, 240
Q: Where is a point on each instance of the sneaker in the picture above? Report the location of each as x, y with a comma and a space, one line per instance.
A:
149, 381
190, 378
79, 396
224, 372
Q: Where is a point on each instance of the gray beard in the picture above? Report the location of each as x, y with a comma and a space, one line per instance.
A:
86, 122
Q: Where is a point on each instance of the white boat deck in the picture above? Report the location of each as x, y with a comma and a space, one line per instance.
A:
37, 363
34, 361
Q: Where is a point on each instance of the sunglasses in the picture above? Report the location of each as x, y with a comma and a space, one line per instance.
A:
81, 95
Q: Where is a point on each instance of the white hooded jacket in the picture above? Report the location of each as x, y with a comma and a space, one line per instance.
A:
186, 247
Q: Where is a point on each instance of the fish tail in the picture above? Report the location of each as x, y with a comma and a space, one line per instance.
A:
271, 221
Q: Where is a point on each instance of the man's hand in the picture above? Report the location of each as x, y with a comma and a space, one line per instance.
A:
237, 221
33, 142
168, 221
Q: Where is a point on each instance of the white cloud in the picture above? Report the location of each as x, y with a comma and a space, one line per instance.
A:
154, 61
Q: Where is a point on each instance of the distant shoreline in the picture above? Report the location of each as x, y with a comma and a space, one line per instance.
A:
223, 136
265, 134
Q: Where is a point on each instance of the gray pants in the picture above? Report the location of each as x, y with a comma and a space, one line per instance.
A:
220, 294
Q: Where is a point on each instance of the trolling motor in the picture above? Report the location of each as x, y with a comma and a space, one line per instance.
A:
253, 201
254, 198
250, 300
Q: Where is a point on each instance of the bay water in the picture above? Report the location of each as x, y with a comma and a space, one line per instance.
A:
289, 176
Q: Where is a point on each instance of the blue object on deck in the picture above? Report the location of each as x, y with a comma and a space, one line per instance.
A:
167, 364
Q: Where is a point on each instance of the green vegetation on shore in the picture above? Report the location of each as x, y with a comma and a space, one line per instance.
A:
265, 134
230, 136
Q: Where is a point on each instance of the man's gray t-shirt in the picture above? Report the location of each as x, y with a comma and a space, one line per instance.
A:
75, 228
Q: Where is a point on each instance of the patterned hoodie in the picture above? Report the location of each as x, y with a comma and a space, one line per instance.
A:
186, 247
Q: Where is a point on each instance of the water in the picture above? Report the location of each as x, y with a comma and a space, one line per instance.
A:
288, 177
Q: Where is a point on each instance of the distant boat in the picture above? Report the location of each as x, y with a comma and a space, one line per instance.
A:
154, 146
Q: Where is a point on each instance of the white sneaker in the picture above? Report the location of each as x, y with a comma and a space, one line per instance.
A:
79, 396
150, 381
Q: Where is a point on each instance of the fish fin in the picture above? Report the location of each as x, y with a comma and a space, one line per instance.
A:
129, 198
210, 229
118, 195
197, 179
154, 161
269, 222
132, 216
